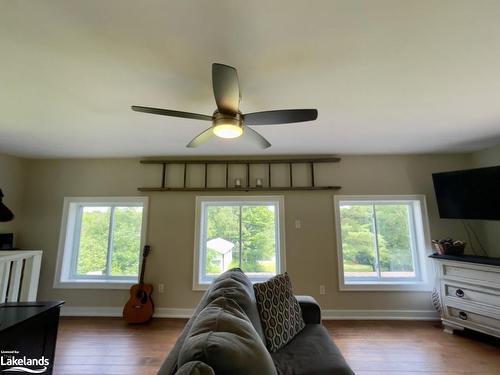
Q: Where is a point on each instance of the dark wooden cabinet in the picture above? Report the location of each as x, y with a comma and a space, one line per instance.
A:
28, 333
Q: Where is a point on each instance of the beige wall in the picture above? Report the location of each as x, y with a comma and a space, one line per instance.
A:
489, 157
489, 230
310, 251
12, 173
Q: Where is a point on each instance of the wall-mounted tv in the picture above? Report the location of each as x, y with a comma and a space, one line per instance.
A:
468, 194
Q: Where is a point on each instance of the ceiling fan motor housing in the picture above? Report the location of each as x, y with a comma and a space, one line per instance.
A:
227, 119
227, 125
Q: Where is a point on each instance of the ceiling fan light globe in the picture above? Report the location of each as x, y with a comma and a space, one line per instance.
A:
227, 131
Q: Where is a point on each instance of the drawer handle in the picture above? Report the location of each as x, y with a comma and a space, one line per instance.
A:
460, 293
462, 315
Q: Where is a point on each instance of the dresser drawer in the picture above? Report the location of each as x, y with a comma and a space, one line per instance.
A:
471, 318
472, 294
471, 274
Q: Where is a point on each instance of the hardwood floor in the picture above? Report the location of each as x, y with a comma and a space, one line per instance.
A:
105, 346
411, 348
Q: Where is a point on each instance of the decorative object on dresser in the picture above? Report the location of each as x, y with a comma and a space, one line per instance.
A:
140, 307
469, 288
449, 246
6, 241
5, 213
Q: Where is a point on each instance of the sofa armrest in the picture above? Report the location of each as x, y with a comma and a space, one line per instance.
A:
311, 312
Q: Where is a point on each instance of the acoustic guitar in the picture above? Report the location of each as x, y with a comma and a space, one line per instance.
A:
140, 307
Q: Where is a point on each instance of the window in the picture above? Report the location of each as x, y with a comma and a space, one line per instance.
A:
101, 241
382, 242
243, 232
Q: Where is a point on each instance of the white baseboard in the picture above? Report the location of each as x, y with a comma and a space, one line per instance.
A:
91, 311
163, 312
379, 315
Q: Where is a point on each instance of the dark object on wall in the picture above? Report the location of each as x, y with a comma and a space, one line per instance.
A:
468, 194
5, 213
29, 328
6, 241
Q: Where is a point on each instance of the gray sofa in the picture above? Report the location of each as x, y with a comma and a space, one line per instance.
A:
310, 352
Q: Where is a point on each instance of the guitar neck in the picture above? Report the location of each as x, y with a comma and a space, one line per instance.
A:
143, 268
143, 265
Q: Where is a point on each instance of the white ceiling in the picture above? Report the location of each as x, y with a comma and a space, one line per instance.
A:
386, 76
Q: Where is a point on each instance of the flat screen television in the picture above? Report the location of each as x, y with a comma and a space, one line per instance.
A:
468, 194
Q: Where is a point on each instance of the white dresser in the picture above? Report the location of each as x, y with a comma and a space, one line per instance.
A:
469, 293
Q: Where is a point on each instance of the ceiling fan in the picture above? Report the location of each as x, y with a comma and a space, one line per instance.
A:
227, 120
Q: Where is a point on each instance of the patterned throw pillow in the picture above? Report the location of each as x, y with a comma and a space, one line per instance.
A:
279, 311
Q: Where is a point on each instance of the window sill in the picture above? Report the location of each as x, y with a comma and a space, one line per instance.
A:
200, 287
386, 286
94, 284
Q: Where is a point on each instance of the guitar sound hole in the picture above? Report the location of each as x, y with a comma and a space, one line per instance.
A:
141, 296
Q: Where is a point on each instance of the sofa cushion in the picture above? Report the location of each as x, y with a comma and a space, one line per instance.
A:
279, 311
195, 368
235, 285
223, 337
311, 352
240, 288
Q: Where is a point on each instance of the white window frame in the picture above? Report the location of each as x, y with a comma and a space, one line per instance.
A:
422, 264
199, 235
67, 252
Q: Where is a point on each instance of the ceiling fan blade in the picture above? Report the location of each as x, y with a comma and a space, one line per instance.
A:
201, 138
168, 112
226, 88
256, 137
283, 116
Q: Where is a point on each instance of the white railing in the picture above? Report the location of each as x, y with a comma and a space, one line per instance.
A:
19, 274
